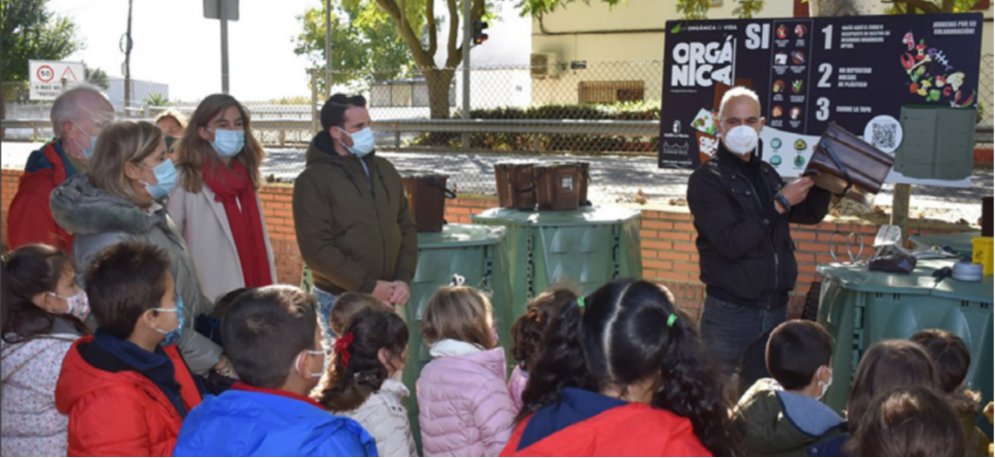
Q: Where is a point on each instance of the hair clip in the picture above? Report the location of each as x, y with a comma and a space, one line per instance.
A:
457, 281
671, 320
580, 302
342, 347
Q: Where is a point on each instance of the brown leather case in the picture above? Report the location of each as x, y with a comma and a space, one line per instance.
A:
846, 165
558, 186
515, 185
427, 194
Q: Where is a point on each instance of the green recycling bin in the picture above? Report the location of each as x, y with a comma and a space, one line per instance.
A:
859, 308
476, 253
583, 248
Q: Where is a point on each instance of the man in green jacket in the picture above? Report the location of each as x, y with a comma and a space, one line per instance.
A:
351, 215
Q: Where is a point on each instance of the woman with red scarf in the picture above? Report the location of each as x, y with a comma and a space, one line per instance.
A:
216, 205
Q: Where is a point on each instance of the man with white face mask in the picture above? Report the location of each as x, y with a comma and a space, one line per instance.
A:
353, 225
78, 116
742, 210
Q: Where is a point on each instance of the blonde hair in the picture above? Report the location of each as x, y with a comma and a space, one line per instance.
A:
176, 116
120, 143
192, 150
458, 313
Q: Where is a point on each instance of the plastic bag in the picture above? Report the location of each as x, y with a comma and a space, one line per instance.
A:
893, 259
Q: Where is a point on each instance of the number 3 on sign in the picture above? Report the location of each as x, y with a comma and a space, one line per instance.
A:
822, 114
827, 32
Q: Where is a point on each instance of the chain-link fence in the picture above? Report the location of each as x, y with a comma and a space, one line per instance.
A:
612, 109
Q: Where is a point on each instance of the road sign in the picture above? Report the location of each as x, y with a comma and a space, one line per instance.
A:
212, 9
48, 78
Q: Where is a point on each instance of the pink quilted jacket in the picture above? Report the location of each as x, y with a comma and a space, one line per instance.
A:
463, 401
516, 385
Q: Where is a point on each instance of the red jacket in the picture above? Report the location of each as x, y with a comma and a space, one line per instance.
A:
120, 413
629, 430
30, 218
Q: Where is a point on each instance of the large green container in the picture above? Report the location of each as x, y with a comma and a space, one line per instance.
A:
476, 253
583, 248
859, 308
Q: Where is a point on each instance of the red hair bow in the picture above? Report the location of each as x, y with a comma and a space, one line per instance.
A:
342, 348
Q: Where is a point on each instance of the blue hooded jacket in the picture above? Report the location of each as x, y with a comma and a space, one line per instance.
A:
253, 423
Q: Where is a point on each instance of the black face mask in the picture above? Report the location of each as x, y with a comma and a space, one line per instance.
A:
170, 142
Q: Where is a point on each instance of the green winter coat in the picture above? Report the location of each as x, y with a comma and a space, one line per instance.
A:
774, 422
353, 227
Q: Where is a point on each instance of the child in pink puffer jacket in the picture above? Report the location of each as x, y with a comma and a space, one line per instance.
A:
527, 333
463, 402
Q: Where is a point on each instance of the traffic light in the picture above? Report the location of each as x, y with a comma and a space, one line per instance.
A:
479, 37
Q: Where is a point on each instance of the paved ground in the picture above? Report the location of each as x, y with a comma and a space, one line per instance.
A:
613, 178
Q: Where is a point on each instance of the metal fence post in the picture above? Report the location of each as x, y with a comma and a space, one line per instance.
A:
314, 101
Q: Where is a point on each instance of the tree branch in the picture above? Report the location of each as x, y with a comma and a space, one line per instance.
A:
923, 5
454, 54
414, 43
433, 33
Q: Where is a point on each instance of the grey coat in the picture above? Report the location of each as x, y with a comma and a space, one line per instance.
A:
97, 220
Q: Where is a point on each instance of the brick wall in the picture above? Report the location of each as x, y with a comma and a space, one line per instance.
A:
668, 251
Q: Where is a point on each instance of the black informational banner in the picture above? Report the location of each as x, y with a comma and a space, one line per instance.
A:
855, 71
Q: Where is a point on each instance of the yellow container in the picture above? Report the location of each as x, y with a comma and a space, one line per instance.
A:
983, 253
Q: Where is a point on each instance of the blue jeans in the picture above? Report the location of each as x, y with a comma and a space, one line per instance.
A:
326, 301
727, 329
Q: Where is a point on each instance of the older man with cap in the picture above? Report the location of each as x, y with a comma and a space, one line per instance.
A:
78, 115
742, 211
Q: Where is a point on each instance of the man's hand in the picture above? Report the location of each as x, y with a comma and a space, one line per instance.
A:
797, 191
384, 291
401, 293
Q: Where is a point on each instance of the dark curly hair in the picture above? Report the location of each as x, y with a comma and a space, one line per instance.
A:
621, 337
347, 386
527, 331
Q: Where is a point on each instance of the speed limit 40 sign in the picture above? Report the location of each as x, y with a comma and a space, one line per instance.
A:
48, 78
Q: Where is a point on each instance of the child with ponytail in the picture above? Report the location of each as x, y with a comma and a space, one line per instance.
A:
623, 374
43, 309
528, 332
365, 382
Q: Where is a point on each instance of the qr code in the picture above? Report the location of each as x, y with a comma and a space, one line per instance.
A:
884, 135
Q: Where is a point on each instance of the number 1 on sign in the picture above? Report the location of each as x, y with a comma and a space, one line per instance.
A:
827, 32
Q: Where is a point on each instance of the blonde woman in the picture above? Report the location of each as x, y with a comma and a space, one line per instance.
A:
118, 201
172, 123
216, 205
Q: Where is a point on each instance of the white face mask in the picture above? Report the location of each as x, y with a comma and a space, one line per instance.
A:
79, 304
324, 363
825, 386
741, 140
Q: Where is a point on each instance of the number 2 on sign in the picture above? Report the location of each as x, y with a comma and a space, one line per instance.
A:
827, 32
826, 69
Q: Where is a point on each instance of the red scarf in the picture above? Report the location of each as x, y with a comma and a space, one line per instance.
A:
233, 188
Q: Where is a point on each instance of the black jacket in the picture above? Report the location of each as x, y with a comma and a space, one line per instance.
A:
745, 250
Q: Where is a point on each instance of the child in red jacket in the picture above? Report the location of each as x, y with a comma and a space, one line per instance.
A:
623, 374
126, 389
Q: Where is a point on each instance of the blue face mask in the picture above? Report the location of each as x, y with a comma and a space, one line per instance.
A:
87, 152
165, 175
173, 336
228, 143
362, 142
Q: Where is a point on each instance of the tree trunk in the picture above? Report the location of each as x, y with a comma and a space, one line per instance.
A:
3, 113
439, 87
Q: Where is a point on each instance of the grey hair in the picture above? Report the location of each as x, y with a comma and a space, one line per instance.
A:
738, 91
66, 106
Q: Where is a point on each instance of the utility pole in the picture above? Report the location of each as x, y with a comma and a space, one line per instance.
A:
328, 48
467, 32
223, 7
127, 64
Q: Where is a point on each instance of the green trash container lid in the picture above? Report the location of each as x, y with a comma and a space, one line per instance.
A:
584, 216
961, 243
920, 281
461, 235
